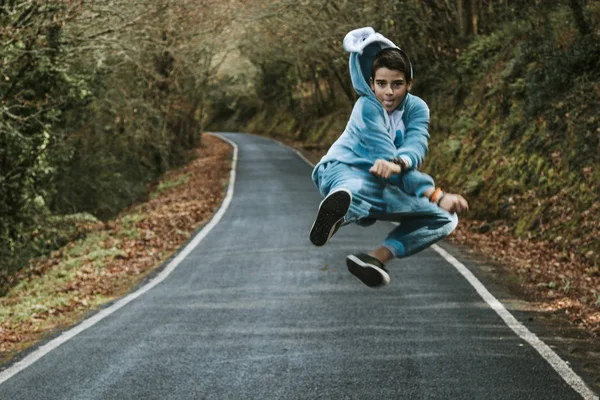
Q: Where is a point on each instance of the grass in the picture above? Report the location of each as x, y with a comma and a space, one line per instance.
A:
49, 292
53, 298
109, 259
169, 184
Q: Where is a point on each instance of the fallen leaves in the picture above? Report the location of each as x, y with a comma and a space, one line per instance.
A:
114, 256
562, 281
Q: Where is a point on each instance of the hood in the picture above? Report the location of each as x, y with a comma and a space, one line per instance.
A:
363, 44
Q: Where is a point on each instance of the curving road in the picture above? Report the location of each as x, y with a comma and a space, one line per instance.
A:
256, 312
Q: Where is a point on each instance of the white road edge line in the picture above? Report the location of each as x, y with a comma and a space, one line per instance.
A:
53, 344
559, 365
545, 351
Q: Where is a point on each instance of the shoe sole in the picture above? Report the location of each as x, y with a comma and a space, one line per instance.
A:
369, 274
331, 213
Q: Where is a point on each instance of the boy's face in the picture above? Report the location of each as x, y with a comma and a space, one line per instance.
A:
390, 87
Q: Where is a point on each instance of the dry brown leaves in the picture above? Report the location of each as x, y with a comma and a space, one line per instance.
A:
166, 222
557, 280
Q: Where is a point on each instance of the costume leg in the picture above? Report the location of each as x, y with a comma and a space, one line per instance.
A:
421, 222
362, 185
418, 232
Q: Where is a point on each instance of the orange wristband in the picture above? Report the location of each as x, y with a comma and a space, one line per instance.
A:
435, 195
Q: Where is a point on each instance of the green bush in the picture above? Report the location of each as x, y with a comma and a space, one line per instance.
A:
92, 110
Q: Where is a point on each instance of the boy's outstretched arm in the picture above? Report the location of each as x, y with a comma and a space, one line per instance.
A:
453, 203
416, 138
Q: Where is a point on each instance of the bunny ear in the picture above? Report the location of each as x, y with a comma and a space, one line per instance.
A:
355, 41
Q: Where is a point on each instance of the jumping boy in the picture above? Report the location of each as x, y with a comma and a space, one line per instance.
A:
370, 174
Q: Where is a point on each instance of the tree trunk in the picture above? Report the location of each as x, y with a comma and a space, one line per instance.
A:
343, 81
474, 17
461, 17
467, 17
582, 23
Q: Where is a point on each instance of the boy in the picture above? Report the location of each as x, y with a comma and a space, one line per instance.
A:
370, 174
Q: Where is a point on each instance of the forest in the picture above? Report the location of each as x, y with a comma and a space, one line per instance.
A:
101, 98
98, 99
513, 88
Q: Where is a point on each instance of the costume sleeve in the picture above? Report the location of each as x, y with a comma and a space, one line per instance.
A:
416, 182
416, 120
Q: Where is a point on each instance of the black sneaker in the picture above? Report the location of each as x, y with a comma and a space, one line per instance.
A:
330, 216
368, 269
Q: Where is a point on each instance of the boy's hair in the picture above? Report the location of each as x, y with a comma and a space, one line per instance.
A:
392, 58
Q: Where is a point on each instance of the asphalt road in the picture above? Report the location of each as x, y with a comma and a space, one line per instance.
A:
257, 312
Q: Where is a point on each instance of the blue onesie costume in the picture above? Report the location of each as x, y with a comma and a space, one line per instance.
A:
371, 134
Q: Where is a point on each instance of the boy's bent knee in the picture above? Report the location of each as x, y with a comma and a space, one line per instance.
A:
338, 176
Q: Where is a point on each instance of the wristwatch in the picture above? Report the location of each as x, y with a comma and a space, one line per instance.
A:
401, 162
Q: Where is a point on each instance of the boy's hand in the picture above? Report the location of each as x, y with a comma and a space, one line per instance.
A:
385, 169
454, 203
